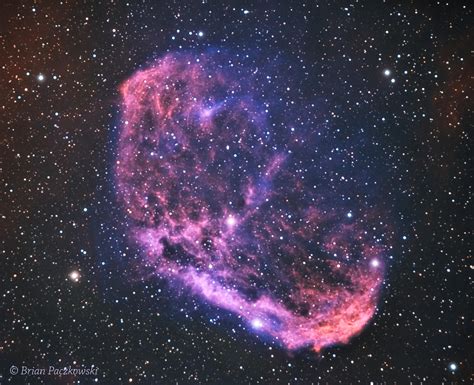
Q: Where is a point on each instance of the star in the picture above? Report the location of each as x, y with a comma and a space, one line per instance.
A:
231, 221
257, 323
74, 276
375, 263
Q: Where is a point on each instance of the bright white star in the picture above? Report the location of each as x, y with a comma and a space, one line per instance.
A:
74, 276
375, 263
231, 221
257, 323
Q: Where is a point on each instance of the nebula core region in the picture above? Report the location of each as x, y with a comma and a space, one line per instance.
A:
212, 187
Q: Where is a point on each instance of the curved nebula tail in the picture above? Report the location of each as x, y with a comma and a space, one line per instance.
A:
218, 198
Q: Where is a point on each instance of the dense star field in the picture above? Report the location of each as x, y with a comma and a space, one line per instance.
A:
213, 193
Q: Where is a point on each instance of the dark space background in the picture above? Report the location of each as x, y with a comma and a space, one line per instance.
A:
61, 65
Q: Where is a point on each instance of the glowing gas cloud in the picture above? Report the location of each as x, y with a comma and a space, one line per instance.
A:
220, 198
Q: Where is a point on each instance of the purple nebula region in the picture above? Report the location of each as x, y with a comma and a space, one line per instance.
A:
216, 197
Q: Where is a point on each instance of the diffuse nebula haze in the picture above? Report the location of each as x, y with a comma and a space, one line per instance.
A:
215, 197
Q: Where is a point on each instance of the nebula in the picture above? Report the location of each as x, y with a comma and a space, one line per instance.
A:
217, 198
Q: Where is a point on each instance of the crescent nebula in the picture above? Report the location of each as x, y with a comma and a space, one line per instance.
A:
220, 199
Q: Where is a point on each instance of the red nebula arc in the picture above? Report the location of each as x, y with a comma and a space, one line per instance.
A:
214, 197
